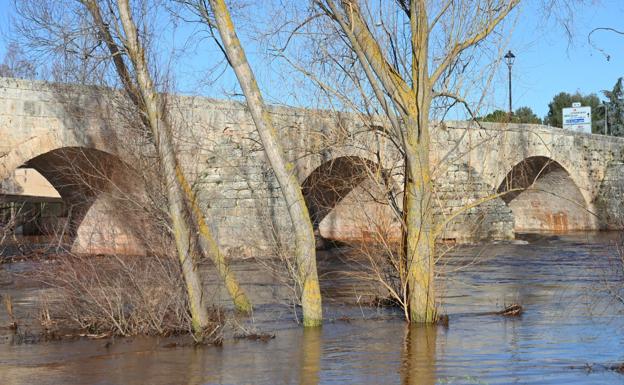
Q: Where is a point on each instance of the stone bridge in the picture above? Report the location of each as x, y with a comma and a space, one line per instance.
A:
525, 177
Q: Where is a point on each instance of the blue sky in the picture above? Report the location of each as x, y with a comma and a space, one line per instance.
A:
547, 62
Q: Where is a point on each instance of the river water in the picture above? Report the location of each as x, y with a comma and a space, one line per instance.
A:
570, 331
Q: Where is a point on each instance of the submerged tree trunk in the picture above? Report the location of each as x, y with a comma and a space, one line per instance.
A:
163, 138
419, 224
164, 145
305, 245
412, 102
207, 242
419, 242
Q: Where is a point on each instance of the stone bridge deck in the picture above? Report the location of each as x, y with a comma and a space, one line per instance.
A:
84, 144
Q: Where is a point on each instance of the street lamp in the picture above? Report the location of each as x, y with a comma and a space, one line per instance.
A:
509, 59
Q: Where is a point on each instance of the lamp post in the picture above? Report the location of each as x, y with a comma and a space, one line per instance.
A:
509, 59
606, 119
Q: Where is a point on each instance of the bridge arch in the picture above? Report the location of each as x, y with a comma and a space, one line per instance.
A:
347, 198
543, 196
99, 192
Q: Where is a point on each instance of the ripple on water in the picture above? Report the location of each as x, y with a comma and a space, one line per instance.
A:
567, 323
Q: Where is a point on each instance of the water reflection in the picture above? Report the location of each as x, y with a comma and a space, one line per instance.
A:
195, 368
555, 282
311, 350
418, 361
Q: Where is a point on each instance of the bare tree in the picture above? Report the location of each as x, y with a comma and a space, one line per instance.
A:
177, 186
105, 43
217, 16
15, 65
435, 37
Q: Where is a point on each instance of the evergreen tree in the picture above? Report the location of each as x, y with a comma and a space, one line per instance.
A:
521, 115
564, 100
525, 115
496, 116
615, 107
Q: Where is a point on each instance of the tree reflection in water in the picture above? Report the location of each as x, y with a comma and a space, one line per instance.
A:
311, 347
418, 361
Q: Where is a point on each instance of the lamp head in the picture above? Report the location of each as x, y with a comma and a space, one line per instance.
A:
509, 58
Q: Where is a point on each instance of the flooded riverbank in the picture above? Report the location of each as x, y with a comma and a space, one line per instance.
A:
569, 332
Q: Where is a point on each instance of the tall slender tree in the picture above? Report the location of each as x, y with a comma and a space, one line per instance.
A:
101, 41
218, 16
142, 91
405, 88
615, 109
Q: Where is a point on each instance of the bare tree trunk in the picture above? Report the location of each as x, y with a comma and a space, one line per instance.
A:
405, 89
164, 145
305, 245
414, 102
419, 242
418, 186
147, 100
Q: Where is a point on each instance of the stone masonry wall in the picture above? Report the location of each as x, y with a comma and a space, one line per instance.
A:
223, 156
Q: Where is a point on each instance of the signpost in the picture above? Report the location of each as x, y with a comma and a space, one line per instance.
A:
577, 118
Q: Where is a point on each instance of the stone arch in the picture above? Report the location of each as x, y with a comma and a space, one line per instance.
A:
347, 198
93, 185
543, 196
504, 147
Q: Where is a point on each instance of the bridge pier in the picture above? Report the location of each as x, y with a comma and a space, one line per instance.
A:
221, 154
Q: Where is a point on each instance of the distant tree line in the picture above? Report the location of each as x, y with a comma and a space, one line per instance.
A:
521, 115
15, 65
563, 100
612, 105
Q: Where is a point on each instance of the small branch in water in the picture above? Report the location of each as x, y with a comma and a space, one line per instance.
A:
261, 337
442, 320
513, 310
594, 367
619, 368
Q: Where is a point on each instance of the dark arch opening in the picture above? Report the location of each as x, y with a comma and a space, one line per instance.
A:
543, 197
82, 177
347, 199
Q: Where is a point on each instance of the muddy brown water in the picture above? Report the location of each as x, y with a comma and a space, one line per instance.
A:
568, 323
